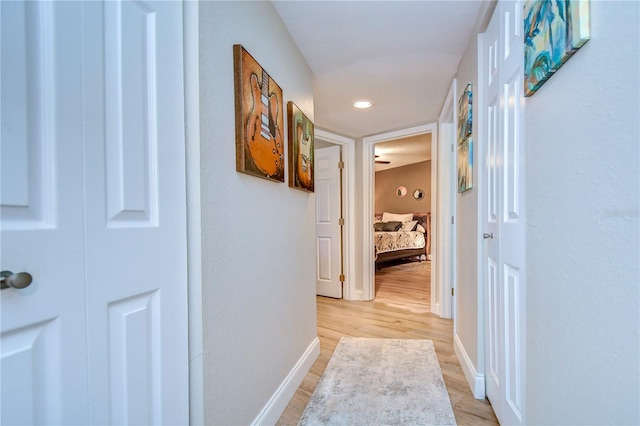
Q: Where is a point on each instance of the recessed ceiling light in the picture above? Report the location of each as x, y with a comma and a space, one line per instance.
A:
362, 104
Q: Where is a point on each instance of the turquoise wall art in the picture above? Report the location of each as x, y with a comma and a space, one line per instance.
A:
465, 141
553, 31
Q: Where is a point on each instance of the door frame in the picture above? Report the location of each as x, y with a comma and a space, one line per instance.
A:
348, 145
444, 170
194, 221
368, 152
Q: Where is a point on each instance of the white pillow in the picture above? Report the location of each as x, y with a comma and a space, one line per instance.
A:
392, 217
421, 228
408, 226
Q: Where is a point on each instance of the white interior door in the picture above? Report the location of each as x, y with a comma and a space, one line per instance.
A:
93, 206
43, 326
136, 212
327, 189
503, 205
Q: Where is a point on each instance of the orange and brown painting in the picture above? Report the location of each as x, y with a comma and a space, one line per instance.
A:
259, 119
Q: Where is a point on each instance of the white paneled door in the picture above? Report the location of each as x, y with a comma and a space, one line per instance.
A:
93, 207
503, 212
328, 212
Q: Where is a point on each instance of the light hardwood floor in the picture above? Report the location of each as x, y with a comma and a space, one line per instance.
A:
400, 311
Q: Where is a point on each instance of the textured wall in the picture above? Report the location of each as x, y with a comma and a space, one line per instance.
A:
258, 238
413, 176
582, 183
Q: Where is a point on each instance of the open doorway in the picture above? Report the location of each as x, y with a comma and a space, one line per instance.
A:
369, 207
402, 199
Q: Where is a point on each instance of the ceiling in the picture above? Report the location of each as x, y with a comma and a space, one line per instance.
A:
399, 55
402, 152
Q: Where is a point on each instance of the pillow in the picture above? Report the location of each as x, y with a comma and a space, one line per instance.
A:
378, 226
392, 217
420, 228
409, 226
391, 226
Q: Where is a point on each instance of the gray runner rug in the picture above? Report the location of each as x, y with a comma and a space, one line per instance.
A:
380, 382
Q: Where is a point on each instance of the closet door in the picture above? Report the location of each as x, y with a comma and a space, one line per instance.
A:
93, 208
43, 326
135, 212
504, 212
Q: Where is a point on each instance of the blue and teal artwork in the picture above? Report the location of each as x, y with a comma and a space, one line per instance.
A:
465, 141
553, 31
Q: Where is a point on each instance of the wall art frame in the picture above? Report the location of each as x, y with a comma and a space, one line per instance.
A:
259, 119
465, 114
465, 165
553, 32
301, 149
465, 141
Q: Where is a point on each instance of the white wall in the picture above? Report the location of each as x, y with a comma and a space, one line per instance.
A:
582, 187
468, 286
258, 269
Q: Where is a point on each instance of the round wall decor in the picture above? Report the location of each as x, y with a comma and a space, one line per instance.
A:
401, 191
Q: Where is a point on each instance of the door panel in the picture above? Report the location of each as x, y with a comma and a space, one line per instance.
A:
504, 213
43, 334
327, 189
93, 206
491, 203
136, 212
130, 114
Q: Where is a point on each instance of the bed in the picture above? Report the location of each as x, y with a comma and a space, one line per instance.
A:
407, 241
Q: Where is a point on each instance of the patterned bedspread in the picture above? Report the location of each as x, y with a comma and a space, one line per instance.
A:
392, 241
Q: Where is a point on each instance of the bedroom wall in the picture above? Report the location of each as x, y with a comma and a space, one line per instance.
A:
582, 158
412, 176
258, 245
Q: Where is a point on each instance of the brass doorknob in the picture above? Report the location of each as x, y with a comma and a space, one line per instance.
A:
18, 281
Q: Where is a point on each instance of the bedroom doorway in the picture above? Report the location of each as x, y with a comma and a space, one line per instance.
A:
369, 211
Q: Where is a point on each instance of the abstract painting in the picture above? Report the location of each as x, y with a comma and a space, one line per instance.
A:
465, 143
465, 115
465, 165
553, 31
259, 119
300, 149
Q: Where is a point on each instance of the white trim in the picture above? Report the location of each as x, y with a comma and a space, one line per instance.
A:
349, 196
444, 206
368, 273
194, 253
475, 380
276, 405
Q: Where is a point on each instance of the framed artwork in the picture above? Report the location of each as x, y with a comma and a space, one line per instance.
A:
465, 115
553, 31
259, 119
465, 141
465, 165
300, 149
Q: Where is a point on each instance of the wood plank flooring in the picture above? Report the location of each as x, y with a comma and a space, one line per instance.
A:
400, 311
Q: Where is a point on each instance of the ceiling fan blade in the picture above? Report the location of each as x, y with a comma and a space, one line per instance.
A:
382, 162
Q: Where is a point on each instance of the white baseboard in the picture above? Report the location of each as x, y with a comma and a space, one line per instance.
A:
276, 405
475, 380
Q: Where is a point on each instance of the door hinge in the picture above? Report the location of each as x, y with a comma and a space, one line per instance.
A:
341, 221
451, 147
452, 291
342, 277
341, 165
452, 222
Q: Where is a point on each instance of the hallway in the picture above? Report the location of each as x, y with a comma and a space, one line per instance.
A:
392, 315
